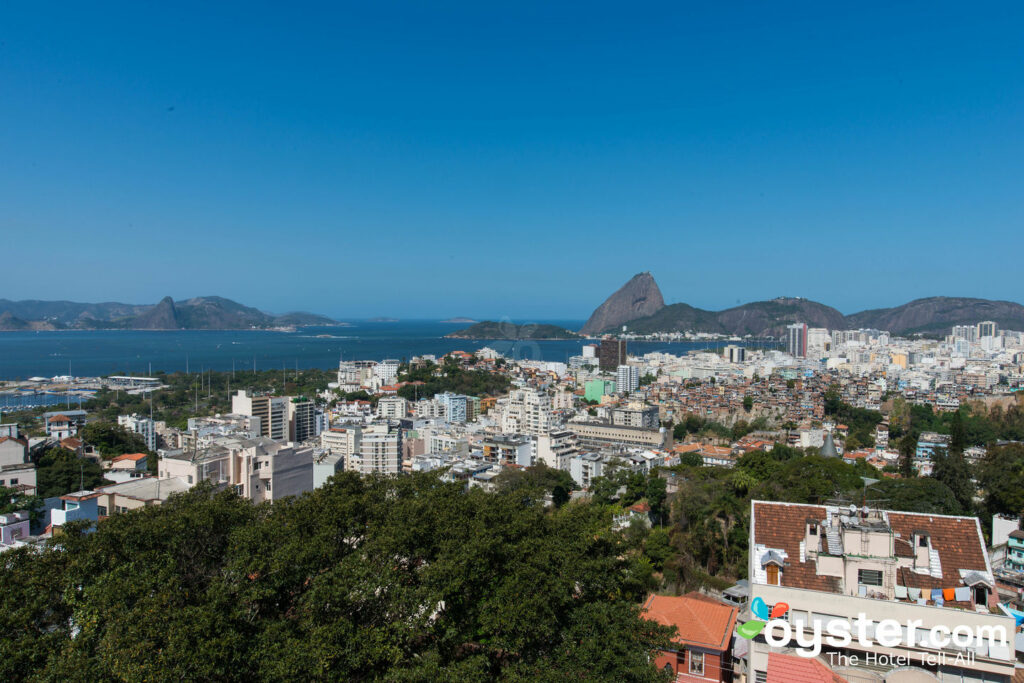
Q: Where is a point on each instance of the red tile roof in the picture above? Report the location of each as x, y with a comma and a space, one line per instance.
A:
957, 539
700, 620
135, 457
795, 669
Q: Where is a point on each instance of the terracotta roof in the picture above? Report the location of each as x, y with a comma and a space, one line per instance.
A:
130, 456
700, 620
781, 526
23, 442
60, 418
795, 669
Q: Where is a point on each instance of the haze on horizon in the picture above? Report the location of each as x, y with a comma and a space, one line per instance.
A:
516, 159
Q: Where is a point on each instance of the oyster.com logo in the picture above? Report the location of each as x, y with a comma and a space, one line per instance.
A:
759, 609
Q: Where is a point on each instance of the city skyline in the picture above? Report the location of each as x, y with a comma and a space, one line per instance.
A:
440, 160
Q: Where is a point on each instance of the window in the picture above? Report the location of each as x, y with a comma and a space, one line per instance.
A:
14, 482
760, 677
697, 663
869, 577
101, 510
812, 529
773, 574
922, 541
268, 485
190, 478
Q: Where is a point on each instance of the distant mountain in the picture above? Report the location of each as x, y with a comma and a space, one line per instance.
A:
935, 315
760, 318
200, 313
637, 298
459, 320
505, 330
939, 313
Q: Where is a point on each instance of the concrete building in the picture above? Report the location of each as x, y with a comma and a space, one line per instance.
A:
454, 406
734, 354
271, 410
508, 449
342, 441
556, 449
386, 370
642, 416
627, 378
526, 411
259, 469
796, 340
596, 435
612, 354
16, 470
136, 493
143, 426
380, 451
594, 389
920, 574
302, 422
392, 408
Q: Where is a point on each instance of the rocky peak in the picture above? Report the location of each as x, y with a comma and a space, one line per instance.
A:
637, 298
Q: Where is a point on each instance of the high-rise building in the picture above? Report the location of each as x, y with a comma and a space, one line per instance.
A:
380, 451
143, 426
627, 378
386, 370
392, 407
613, 353
987, 329
302, 424
454, 406
735, 354
271, 410
527, 411
796, 340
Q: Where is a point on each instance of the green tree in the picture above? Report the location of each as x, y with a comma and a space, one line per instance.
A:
59, 471
748, 403
111, 439
1001, 477
950, 468
386, 584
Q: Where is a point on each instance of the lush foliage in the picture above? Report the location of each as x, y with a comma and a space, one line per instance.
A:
451, 377
59, 471
401, 579
861, 421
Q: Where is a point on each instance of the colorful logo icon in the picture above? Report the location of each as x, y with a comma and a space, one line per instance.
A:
760, 610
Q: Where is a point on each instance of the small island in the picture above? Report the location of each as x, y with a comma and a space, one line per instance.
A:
462, 321
490, 329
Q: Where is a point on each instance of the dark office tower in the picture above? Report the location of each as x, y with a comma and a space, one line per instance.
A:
613, 354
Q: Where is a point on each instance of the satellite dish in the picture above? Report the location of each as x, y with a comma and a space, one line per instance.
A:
864, 509
853, 509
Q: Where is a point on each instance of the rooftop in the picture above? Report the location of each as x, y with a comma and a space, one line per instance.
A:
699, 619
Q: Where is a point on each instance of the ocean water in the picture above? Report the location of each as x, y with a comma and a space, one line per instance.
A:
105, 352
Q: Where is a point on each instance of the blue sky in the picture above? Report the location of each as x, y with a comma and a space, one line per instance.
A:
511, 159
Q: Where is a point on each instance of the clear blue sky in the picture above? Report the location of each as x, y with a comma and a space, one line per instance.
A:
511, 159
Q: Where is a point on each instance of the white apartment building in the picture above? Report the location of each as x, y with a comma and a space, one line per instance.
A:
343, 441
392, 408
143, 426
924, 572
454, 406
526, 411
259, 469
627, 378
272, 411
556, 449
380, 451
386, 370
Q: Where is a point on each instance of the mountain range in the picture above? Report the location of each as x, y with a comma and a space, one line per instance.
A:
932, 315
199, 313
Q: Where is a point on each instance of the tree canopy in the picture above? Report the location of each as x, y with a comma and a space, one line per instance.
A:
406, 578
